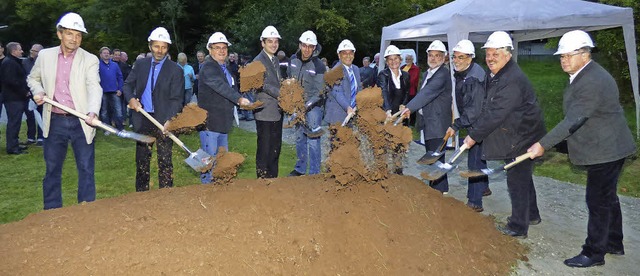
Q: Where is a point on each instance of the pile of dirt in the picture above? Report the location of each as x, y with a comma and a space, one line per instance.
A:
188, 119
334, 75
227, 164
285, 226
291, 100
252, 76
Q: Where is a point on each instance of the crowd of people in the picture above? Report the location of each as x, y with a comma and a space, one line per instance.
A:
498, 109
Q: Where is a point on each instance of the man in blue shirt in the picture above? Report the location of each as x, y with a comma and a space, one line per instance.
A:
111, 81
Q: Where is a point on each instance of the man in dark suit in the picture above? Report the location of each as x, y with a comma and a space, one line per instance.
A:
599, 138
269, 118
156, 84
341, 101
433, 102
218, 95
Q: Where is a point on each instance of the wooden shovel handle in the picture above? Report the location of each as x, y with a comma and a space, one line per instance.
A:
518, 160
78, 114
444, 142
349, 116
160, 126
460, 151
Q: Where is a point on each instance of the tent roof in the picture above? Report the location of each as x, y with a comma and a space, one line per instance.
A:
525, 19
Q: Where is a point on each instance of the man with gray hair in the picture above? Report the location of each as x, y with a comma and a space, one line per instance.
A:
367, 74
15, 92
34, 131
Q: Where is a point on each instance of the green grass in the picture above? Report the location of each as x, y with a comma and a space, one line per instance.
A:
21, 177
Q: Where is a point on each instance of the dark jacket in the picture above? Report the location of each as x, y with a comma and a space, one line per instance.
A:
436, 101
368, 76
393, 101
470, 95
168, 93
14, 80
269, 92
217, 96
594, 123
511, 120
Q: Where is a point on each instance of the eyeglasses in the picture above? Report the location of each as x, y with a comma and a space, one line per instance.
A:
460, 57
567, 56
218, 48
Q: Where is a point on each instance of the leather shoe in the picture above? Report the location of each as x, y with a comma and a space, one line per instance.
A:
295, 173
475, 207
505, 230
17, 152
487, 192
614, 251
583, 261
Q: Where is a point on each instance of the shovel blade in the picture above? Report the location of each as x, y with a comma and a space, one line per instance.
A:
135, 136
315, 133
429, 158
436, 171
200, 161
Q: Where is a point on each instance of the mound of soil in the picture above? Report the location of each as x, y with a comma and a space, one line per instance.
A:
188, 119
286, 226
252, 76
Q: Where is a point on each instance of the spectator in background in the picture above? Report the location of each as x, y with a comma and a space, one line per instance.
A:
189, 77
116, 55
367, 74
2, 57
196, 69
234, 68
16, 93
414, 79
34, 130
111, 82
325, 62
284, 64
126, 69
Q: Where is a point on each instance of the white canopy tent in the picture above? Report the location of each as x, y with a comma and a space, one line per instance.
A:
523, 19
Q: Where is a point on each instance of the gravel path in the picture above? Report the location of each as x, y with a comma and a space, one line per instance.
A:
564, 218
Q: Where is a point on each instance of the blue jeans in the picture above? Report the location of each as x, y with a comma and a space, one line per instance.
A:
62, 130
111, 109
210, 142
308, 150
188, 94
247, 114
477, 185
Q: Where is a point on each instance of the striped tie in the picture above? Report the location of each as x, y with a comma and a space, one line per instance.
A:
354, 87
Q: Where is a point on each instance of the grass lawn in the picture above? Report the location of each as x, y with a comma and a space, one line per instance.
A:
21, 177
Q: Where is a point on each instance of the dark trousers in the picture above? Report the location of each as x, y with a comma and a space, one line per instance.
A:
524, 205
62, 131
32, 127
604, 229
268, 150
14, 122
441, 184
476, 185
143, 157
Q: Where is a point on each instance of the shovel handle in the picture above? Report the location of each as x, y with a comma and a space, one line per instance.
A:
458, 153
78, 114
161, 127
518, 160
444, 142
349, 116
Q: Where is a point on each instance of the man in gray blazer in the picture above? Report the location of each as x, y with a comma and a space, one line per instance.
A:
599, 138
269, 118
434, 101
342, 97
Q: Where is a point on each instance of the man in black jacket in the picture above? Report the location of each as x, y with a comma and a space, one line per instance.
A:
510, 121
15, 92
162, 98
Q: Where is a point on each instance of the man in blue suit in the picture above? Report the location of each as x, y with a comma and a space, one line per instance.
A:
342, 97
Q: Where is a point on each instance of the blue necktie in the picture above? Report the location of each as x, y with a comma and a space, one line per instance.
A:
226, 73
153, 73
354, 87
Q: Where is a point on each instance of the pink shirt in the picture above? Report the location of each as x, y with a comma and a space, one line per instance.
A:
62, 93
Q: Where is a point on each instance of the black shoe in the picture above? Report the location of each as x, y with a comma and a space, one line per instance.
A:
614, 251
505, 230
487, 192
531, 222
475, 207
17, 152
583, 261
295, 173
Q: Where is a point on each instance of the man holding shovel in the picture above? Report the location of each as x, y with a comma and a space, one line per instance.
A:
69, 75
156, 85
599, 138
511, 120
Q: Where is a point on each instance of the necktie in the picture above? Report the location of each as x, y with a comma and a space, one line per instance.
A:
153, 74
226, 74
276, 65
354, 87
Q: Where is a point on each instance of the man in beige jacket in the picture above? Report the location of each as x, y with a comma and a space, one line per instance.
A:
69, 75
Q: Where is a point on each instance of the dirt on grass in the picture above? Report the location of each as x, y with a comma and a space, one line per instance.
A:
284, 226
252, 76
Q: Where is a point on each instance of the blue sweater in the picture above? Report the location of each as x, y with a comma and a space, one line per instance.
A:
110, 76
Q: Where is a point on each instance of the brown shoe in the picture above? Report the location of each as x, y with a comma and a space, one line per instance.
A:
475, 207
487, 192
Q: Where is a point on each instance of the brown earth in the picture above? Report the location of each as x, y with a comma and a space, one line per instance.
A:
227, 164
334, 75
188, 119
284, 226
252, 76
252, 106
291, 100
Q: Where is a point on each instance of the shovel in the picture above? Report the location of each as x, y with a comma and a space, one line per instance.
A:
433, 156
199, 160
349, 116
120, 133
393, 117
487, 172
437, 170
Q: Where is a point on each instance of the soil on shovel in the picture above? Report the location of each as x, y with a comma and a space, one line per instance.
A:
252, 106
284, 226
188, 119
252, 76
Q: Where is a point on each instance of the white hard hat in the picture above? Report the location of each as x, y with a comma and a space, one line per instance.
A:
572, 41
391, 50
309, 37
160, 34
437, 45
270, 32
346, 45
217, 37
465, 46
72, 21
498, 39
